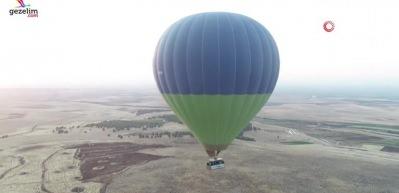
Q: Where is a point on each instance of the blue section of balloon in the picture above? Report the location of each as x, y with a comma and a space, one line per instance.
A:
216, 53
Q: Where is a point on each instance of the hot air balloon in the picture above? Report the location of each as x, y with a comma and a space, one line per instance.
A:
216, 71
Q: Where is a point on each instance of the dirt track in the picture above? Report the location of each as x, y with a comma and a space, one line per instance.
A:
21, 161
44, 170
23, 133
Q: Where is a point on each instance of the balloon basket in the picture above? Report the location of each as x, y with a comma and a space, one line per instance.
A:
215, 163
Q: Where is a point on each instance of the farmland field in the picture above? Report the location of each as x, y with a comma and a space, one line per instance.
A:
61, 141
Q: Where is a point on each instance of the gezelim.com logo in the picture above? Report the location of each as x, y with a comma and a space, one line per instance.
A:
24, 9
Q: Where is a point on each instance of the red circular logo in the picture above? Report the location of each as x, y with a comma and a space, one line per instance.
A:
328, 26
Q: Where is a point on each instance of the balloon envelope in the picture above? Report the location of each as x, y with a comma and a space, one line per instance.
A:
216, 71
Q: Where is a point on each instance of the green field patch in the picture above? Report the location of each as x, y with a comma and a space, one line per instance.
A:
389, 142
305, 124
376, 129
146, 111
376, 126
167, 118
127, 124
296, 142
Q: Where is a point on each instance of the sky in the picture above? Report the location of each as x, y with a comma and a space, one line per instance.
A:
103, 43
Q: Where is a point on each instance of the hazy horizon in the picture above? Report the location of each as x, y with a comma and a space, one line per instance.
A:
281, 90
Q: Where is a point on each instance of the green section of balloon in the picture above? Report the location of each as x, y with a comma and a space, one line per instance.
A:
216, 119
